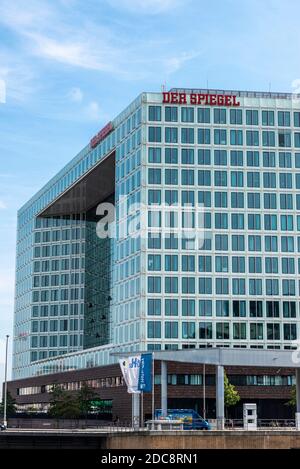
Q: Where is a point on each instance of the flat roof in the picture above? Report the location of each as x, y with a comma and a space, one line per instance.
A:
227, 357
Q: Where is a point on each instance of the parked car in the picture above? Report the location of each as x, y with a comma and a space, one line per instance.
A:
2, 427
190, 418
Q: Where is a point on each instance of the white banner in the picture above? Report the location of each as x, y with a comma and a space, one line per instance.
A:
130, 368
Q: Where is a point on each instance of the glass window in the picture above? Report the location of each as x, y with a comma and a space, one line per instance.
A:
204, 115
188, 307
256, 331
187, 114
236, 116
204, 136
154, 134
222, 330
205, 330
251, 117
284, 119
154, 329
171, 307
236, 137
171, 114
187, 156
154, 113
171, 330
256, 309
220, 137
187, 135
171, 135
171, 155
239, 309
219, 116
220, 157
252, 138
205, 308
268, 118
236, 158
222, 308
204, 157
188, 330
252, 158
154, 306
253, 199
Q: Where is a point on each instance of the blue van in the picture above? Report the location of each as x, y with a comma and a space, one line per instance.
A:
190, 418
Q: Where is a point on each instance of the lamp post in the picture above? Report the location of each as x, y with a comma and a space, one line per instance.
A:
5, 386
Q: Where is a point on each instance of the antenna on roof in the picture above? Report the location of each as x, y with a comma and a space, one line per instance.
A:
163, 87
270, 87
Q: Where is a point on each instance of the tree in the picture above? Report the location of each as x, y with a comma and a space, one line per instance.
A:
63, 404
85, 397
293, 400
10, 406
231, 396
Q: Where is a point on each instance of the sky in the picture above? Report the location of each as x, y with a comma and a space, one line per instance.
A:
69, 66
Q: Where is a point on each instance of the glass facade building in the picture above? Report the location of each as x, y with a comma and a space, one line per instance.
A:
169, 167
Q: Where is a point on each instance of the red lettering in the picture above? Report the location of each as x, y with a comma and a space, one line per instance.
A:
182, 98
101, 135
174, 98
212, 99
235, 102
166, 98
228, 100
202, 98
220, 100
193, 98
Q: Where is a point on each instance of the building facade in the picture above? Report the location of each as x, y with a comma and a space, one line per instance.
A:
204, 249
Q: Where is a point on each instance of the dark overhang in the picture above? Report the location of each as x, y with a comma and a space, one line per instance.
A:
91, 189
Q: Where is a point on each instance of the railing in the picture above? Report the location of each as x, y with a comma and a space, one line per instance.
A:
268, 424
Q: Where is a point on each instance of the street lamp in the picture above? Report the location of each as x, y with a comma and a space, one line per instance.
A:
5, 386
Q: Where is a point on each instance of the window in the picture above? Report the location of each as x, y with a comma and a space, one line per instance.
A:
237, 221
256, 331
204, 115
187, 114
171, 114
273, 331
221, 263
205, 308
268, 138
154, 307
187, 135
269, 180
253, 199
171, 330
188, 285
205, 285
204, 264
286, 201
222, 330
188, 330
251, 117
237, 179
289, 332
220, 137
220, 178
236, 158
238, 286
187, 177
171, 135
220, 157
285, 159
188, 307
154, 262
268, 118
154, 285
204, 136
204, 178
204, 157
222, 308
154, 134
171, 285
171, 176
205, 330
221, 242
270, 201
238, 264
255, 309
255, 286
297, 119
154, 329
270, 222
154, 113
222, 286
236, 116
154, 176
284, 119
284, 138
171, 155
171, 307
252, 138
220, 199
289, 309
219, 116
252, 158
187, 156
253, 179
236, 137
239, 309
239, 331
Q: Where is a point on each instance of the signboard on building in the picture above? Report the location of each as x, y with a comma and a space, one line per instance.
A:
174, 97
101, 135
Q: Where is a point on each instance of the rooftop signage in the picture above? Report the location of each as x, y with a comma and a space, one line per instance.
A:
173, 97
101, 135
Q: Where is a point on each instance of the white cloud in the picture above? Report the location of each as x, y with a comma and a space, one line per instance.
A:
93, 112
2, 205
152, 7
76, 95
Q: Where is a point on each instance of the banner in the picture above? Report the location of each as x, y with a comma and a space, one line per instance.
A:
130, 368
145, 373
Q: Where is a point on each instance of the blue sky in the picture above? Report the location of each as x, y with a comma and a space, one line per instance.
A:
71, 65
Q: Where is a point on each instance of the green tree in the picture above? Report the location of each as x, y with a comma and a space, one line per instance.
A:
63, 404
85, 397
231, 396
10, 406
293, 400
